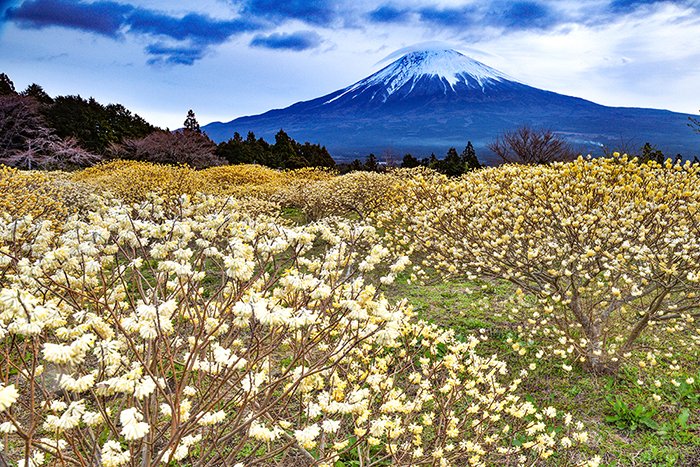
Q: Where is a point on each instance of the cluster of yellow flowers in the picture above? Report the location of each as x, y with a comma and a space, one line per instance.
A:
134, 181
358, 193
29, 194
196, 329
606, 247
317, 192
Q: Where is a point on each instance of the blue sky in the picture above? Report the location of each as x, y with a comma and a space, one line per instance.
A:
228, 58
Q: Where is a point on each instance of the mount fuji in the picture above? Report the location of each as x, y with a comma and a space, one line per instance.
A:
430, 100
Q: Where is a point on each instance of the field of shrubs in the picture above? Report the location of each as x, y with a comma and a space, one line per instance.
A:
237, 315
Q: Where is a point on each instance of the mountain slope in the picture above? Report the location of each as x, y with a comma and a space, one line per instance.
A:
427, 101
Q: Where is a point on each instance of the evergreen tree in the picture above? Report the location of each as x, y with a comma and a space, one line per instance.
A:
371, 164
96, 127
124, 124
283, 154
430, 162
251, 149
191, 123
37, 93
452, 164
73, 116
469, 159
315, 155
7, 87
234, 150
409, 162
355, 166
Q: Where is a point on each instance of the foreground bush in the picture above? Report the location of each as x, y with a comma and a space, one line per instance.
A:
608, 247
140, 335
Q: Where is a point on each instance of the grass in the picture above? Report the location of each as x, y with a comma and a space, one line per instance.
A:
628, 427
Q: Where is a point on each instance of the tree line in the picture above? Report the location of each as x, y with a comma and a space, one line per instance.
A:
453, 164
38, 131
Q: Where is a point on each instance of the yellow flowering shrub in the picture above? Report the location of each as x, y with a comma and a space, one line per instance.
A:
358, 193
198, 332
255, 181
228, 177
29, 194
134, 181
317, 192
607, 247
77, 197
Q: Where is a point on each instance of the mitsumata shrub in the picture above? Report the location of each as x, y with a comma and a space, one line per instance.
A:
206, 334
607, 247
29, 194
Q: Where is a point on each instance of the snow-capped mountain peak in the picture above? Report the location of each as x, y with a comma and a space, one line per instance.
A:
443, 71
429, 99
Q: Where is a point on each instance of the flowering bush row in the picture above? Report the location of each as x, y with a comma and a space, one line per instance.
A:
196, 329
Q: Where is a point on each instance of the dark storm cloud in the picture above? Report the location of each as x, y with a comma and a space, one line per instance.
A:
321, 13
185, 39
448, 17
199, 28
302, 40
502, 14
195, 32
508, 15
627, 5
4, 4
106, 18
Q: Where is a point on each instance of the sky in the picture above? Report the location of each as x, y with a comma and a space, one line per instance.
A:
229, 58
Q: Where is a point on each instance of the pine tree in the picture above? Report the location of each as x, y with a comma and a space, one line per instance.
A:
7, 87
191, 123
371, 163
284, 155
469, 159
37, 93
409, 162
451, 165
355, 166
